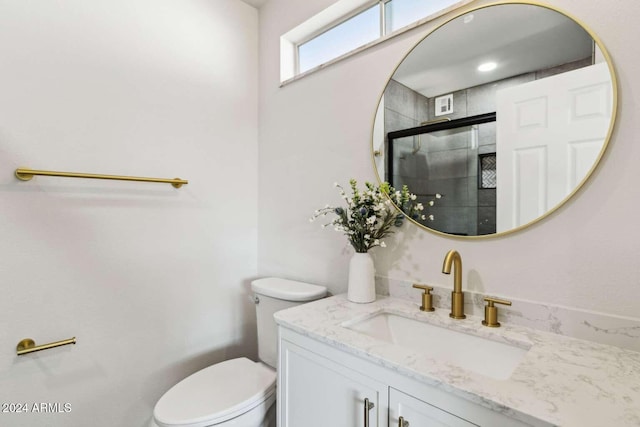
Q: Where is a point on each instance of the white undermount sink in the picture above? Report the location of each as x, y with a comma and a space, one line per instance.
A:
480, 355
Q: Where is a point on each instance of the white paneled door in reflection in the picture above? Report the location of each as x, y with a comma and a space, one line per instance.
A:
550, 133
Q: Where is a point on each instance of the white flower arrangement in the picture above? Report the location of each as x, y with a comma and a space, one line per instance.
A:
370, 214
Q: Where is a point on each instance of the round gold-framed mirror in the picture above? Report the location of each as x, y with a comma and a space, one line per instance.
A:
498, 116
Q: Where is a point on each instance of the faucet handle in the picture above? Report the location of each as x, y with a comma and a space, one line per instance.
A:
491, 311
427, 298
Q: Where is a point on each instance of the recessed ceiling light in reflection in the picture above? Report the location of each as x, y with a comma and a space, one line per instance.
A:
487, 66
467, 18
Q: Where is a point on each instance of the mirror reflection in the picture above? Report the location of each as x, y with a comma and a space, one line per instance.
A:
504, 111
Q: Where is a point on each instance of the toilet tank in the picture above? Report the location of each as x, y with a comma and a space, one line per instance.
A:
274, 294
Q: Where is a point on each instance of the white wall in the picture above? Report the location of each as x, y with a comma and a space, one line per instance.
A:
150, 279
318, 130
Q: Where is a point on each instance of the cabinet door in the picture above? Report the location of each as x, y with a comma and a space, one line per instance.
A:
417, 413
317, 392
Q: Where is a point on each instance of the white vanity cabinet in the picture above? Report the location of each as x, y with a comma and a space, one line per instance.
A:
314, 391
320, 385
416, 412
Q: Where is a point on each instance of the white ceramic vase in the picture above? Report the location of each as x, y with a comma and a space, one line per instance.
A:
362, 286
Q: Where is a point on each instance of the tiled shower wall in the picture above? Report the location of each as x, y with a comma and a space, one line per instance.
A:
444, 162
404, 108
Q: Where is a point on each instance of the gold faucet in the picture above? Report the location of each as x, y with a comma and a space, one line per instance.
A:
457, 296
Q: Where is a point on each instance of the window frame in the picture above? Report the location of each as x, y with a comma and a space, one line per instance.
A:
333, 16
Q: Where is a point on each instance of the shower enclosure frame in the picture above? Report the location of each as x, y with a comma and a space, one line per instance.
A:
434, 127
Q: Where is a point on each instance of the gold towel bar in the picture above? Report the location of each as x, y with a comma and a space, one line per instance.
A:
28, 345
26, 174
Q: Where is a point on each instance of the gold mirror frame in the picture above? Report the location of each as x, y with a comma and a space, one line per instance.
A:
614, 87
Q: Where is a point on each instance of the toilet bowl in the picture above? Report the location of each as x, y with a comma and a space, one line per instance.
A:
237, 392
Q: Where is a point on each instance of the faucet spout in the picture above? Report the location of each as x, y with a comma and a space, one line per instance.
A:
457, 296
453, 257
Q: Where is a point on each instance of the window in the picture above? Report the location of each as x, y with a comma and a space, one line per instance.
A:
350, 24
344, 37
400, 13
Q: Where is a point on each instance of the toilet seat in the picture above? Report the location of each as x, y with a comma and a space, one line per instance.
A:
216, 394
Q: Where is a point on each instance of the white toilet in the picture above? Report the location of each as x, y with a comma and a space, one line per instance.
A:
238, 392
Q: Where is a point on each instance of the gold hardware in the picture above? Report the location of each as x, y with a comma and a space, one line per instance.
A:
457, 296
368, 406
402, 422
377, 153
491, 312
427, 298
28, 345
26, 175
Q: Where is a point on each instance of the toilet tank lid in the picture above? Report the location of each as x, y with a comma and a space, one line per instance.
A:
288, 290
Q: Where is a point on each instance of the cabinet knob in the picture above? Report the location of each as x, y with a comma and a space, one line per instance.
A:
427, 298
491, 311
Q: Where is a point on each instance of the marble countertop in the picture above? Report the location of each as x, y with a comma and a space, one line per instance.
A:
562, 381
